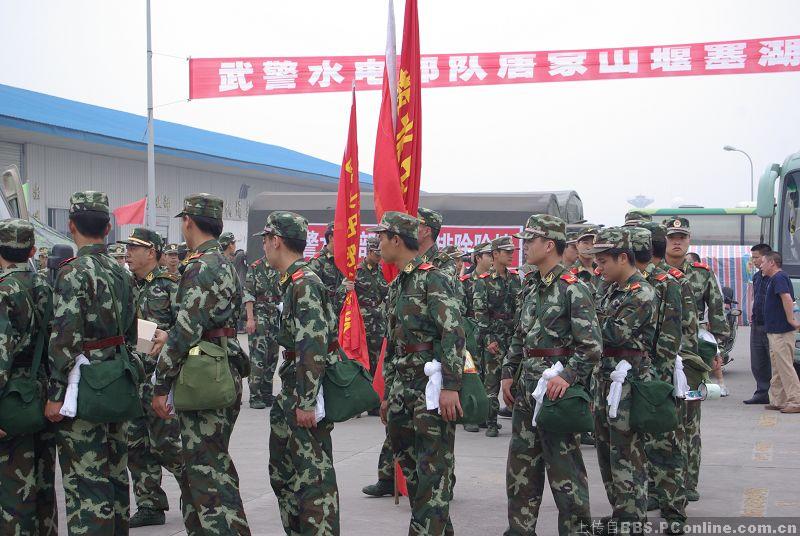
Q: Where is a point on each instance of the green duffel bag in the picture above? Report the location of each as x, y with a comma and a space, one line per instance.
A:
653, 407
347, 390
205, 381
569, 414
472, 395
696, 370
108, 391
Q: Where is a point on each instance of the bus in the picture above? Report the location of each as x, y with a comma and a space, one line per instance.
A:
779, 207
718, 226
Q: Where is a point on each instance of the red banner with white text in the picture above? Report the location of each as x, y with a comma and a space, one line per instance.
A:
241, 76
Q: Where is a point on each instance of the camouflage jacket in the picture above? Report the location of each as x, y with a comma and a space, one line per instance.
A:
590, 277
24, 298
494, 302
308, 329
669, 319
556, 311
324, 266
707, 298
442, 262
627, 316
468, 289
689, 321
155, 298
422, 309
83, 311
262, 287
209, 297
372, 290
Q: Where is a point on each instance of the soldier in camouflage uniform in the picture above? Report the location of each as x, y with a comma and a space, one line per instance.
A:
570, 255
424, 325
372, 290
117, 252
482, 258
227, 244
93, 456
172, 260
626, 314
153, 443
709, 302
636, 218
666, 467
585, 268
324, 266
495, 305
209, 300
27, 462
262, 295
300, 449
557, 322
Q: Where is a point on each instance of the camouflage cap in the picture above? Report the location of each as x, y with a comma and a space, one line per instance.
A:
505, 243
572, 238
677, 225
657, 231
398, 223
636, 217
453, 252
286, 225
206, 205
116, 250
44, 252
589, 232
88, 201
545, 226
329, 229
373, 243
641, 239
141, 236
485, 247
226, 239
431, 218
17, 234
611, 238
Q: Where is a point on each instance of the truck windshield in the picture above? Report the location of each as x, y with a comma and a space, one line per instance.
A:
789, 231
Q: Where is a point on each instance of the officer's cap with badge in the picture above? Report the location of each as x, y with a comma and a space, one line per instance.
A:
636, 218
171, 249
205, 205
398, 223
677, 226
17, 234
658, 232
431, 218
641, 239
373, 244
116, 250
453, 252
544, 226
143, 237
88, 201
480, 249
286, 225
226, 239
588, 232
611, 238
503, 243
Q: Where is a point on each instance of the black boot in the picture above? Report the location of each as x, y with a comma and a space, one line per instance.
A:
146, 517
380, 489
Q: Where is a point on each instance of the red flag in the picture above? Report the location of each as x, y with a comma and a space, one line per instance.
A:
377, 381
409, 111
133, 213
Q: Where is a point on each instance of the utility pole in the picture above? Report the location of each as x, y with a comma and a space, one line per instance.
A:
151, 156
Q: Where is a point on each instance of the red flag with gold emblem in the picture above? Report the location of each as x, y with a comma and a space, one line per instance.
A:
346, 235
409, 111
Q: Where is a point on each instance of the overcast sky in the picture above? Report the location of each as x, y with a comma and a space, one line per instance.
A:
609, 140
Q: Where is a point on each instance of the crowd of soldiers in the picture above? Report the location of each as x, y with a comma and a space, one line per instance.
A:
582, 306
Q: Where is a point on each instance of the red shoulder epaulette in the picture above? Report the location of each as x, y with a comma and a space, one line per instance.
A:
298, 274
66, 262
597, 272
662, 277
256, 263
674, 272
193, 257
635, 286
569, 278
513, 271
463, 277
484, 275
426, 266
574, 270
702, 265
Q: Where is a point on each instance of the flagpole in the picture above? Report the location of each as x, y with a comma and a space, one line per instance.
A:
151, 157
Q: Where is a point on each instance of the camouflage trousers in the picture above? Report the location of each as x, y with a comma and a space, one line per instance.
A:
693, 444
492, 370
423, 443
386, 461
532, 452
94, 470
27, 485
263, 362
620, 453
154, 443
301, 468
211, 478
375, 326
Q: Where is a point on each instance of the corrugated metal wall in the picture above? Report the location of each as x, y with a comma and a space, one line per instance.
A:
10, 155
55, 173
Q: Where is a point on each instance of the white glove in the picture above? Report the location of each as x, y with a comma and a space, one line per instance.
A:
433, 370
319, 409
615, 391
541, 387
70, 406
679, 380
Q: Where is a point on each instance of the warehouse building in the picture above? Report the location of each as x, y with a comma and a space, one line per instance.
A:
61, 146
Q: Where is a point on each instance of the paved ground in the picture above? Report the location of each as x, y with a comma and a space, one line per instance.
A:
751, 466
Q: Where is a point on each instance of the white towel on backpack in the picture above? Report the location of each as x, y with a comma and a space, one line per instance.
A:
70, 406
615, 391
541, 387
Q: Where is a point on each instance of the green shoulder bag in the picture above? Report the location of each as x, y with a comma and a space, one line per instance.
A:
569, 414
22, 399
347, 390
653, 408
472, 395
205, 381
108, 391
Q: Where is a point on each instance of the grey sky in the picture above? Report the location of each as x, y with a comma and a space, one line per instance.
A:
609, 140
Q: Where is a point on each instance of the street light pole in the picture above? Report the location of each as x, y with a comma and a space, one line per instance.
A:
752, 178
151, 157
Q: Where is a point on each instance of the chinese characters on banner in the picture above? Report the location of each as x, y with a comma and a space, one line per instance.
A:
464, 237
235, 77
